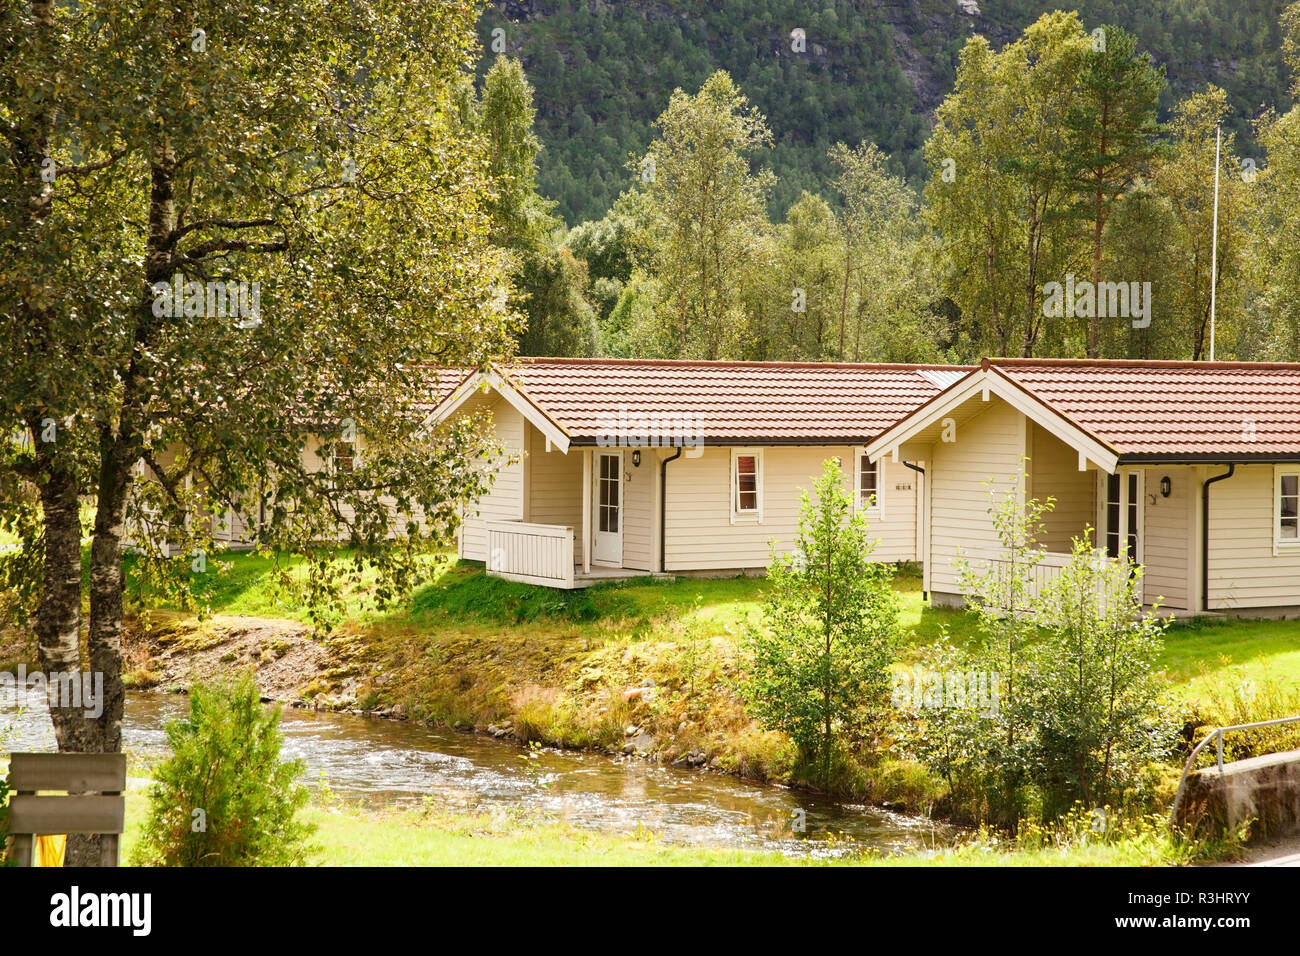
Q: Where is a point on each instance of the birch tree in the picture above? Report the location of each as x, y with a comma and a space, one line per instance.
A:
147, 146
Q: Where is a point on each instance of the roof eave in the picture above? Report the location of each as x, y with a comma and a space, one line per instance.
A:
1209, 458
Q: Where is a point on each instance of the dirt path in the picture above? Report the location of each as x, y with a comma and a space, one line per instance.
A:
177, 652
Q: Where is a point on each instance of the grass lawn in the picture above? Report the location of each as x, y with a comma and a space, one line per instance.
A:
347, 836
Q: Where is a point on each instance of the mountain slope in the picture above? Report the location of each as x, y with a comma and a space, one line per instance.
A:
869, 69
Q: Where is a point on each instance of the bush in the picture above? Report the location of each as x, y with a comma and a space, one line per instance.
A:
1076, 715
224, 797
819, 660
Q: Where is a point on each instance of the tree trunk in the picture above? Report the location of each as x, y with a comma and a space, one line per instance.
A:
58, 633
844, 289
58, 619
1098, 225
106, 587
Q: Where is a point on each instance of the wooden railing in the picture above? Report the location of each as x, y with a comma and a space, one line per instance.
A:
531, 553
1041, 576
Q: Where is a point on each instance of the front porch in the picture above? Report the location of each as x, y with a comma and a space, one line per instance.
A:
544, 554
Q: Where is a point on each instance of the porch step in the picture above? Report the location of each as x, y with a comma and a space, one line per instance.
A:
582, 579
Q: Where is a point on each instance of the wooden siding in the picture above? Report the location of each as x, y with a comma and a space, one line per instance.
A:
504, 502
989, 446
700, 534
1054, 472
1244, 572
1168, 537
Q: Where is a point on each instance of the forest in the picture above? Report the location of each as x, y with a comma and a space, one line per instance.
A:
869, 70
1057, 200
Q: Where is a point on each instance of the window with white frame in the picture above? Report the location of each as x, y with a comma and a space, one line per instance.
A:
747, 483
867, 482
344, 456
1286, 498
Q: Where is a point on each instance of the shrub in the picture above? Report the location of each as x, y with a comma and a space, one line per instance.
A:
819, 661
224, 797
1097, 718
1077, 717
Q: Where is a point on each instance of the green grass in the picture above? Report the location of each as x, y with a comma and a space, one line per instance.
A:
350, 836
459, 596
1199, 650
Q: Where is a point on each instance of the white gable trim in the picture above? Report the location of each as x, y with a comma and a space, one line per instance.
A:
554, 434
984, 382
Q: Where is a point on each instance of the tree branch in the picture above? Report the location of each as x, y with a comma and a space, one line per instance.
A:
177, 234
90, 167
204, 249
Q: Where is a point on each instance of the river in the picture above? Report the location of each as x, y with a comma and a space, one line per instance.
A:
388, 763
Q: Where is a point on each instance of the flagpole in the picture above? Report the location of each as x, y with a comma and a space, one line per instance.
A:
1214, 241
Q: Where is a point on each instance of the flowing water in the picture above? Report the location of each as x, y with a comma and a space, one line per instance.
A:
394, 763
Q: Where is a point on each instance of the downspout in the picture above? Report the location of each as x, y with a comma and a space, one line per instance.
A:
925, 595
1205, 534
663, 504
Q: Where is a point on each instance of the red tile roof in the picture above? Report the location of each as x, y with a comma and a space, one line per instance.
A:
728, 402
1167, 410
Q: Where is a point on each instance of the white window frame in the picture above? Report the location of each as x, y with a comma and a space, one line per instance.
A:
755, 514
1282, 545
1100, 528
334, 453
877, 507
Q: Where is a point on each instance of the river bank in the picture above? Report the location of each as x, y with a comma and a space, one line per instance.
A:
638, 669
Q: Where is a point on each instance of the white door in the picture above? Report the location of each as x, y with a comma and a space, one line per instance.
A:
607, 548
1122, 515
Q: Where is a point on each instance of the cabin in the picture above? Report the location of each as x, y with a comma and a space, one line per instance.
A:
1190, 469
622, 468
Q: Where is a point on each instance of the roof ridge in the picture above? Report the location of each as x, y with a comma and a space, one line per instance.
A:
728, 363
1137, 363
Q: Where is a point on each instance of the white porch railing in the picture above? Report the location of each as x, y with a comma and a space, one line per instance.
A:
1043, 574
531, 553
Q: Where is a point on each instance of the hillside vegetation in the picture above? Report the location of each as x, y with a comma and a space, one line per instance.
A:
871, 70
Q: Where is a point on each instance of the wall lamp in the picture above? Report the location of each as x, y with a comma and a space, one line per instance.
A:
1165, 486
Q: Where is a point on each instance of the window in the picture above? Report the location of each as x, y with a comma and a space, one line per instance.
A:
611, 467
1122, 515
345, 457
1287, 533
747, 482
1113, 506
869, 488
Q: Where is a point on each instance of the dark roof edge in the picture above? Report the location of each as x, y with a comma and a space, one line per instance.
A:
1209, 458
586, 441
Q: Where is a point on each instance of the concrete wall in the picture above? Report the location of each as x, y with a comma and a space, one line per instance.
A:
1264, 789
